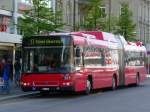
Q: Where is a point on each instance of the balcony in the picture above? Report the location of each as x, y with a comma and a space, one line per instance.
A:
5, 12
10, 38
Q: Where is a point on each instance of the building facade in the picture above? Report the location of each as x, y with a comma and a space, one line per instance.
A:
9, 37
74, 12
70, 13
141, 14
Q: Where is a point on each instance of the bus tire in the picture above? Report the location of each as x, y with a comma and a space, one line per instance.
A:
88, 87
137, 80
114, 83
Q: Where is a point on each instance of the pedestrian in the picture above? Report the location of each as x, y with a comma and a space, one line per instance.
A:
17, 67
6, 77
2, 62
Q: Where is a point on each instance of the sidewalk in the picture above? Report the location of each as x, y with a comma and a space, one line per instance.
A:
14, 93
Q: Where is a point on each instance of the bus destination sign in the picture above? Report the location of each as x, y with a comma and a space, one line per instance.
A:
46, 41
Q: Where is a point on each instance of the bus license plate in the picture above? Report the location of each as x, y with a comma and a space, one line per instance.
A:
45, 89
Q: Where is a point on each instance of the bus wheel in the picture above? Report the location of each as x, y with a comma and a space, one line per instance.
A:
137, 80
114, 83
88, 87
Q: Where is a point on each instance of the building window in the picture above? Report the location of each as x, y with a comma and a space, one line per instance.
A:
27, 1
4, 22
103, 11
121, 10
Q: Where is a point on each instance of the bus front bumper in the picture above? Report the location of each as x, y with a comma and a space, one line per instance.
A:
52, 88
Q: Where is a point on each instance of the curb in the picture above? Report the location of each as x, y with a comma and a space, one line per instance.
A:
16, 96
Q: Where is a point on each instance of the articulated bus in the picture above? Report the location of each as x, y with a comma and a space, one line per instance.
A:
81, 62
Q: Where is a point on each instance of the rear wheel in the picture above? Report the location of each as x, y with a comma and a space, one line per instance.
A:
137, 80
114, 83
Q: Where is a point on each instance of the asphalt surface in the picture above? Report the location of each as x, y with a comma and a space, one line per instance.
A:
129, 99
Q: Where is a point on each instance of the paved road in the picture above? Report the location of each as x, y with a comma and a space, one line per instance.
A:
130, 99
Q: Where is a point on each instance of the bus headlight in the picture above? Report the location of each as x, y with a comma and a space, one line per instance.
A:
26, 84
66, 83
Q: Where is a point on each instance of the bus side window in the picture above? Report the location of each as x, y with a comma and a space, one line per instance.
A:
102, 57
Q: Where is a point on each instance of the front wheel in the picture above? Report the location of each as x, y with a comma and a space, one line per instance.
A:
114, 83
88, 87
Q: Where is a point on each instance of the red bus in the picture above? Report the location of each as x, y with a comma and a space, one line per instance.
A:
81, 61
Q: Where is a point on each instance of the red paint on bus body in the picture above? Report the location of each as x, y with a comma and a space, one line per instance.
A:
100, 77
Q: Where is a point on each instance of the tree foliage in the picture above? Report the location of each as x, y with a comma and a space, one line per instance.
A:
125, 25
94, 19
39, 19
111, 24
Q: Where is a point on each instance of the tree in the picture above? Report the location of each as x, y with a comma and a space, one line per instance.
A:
112, 23
125, 25
39, 19
94, 19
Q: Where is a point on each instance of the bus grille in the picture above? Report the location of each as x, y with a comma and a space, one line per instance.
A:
45, 83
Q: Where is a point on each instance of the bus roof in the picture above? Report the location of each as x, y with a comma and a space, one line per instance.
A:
91, 34
97, 35
135, 46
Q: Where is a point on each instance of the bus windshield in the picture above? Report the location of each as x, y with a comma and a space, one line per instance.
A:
47, 59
